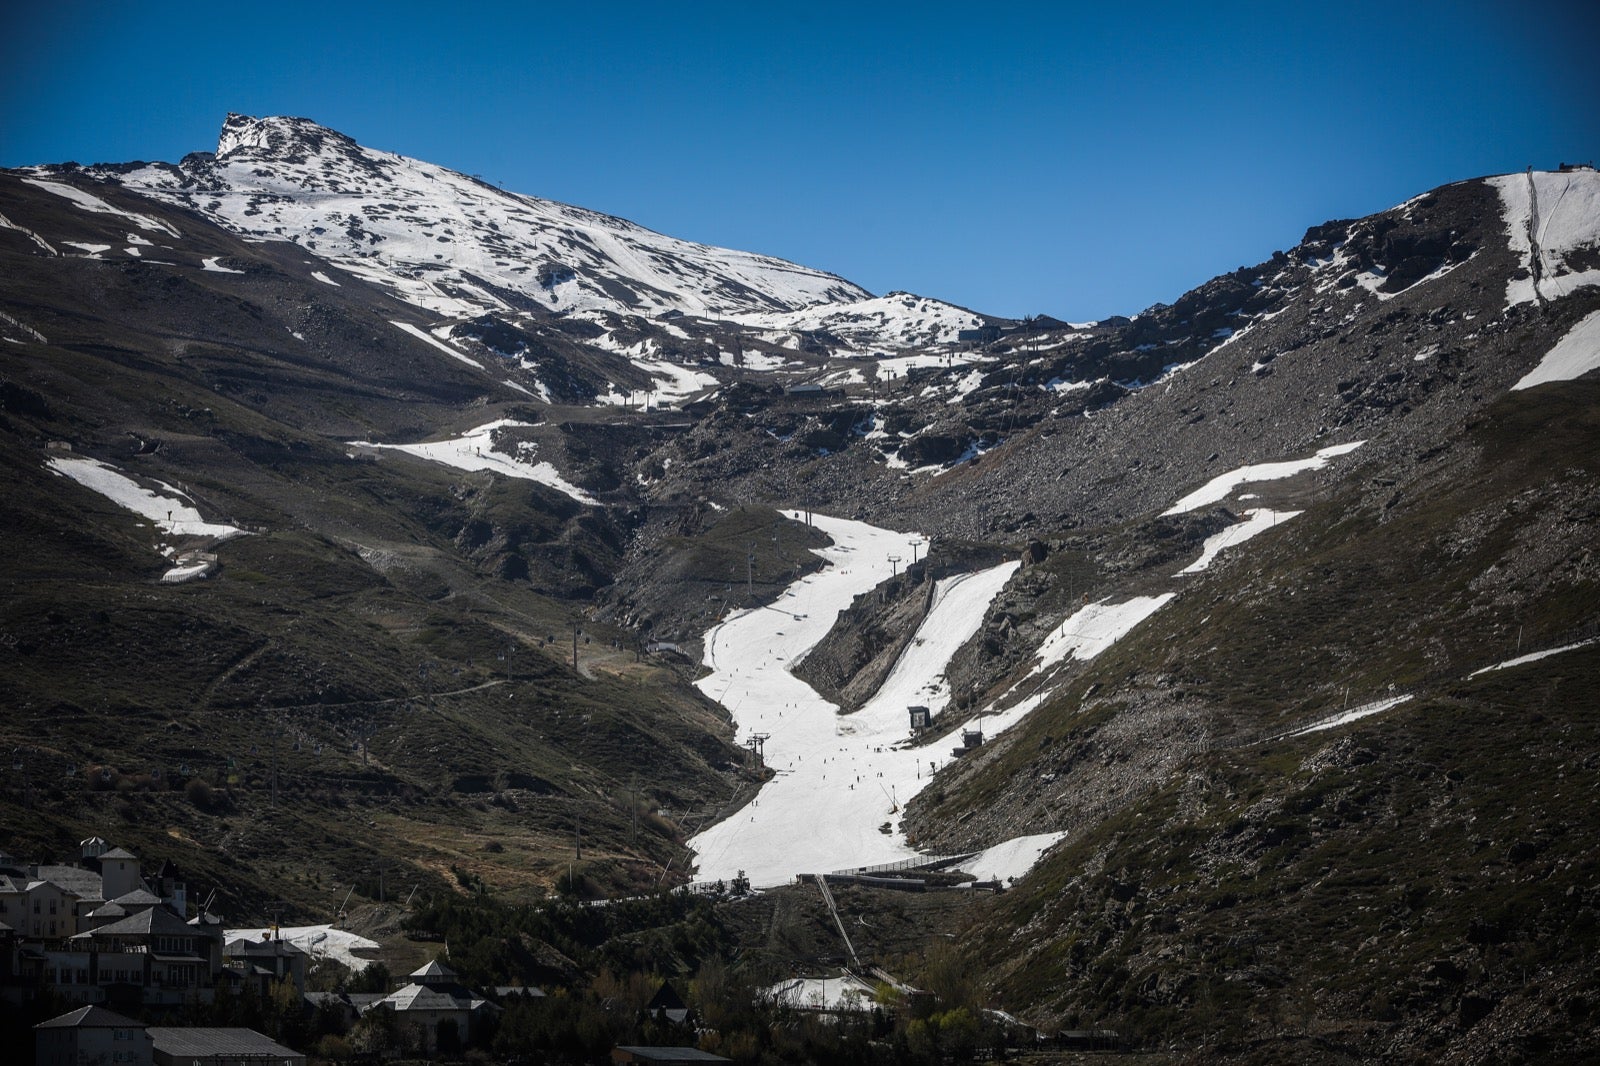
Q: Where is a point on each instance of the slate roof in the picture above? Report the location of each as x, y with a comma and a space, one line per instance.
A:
156, 920
138, 898
670, 1054
362, 1001
246, 946
204, 1043
421, 997
118, 853
85, 884
90, 1018
434, 972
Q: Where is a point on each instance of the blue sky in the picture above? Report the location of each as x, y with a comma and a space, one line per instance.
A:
1075, 160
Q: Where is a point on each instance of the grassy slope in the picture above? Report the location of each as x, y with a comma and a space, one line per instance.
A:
1387, 883
317, 628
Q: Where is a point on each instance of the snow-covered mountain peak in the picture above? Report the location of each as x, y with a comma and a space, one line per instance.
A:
269, 137
897, 320
458, 246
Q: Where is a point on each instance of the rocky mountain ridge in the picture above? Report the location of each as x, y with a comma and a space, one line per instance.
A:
385, 604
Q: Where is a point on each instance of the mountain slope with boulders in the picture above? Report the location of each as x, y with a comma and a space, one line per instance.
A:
470, 474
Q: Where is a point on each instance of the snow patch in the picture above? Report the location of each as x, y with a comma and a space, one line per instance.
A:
316, 941
1574, 355
474, 450
1354, 714
1218, 488
1533, 657
846, 772
847, 993
1565, 207
93, 204
1094, 628
427, 338
1257, 521
1011, 860
168, 513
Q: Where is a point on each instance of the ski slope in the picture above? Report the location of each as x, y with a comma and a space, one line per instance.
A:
840, 782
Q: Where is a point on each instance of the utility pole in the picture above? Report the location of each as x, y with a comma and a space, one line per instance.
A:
575, 632
277, 737
750, 570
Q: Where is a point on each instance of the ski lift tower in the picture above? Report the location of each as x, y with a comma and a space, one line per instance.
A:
757, 745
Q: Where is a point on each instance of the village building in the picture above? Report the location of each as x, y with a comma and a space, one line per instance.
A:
91, 1035
446, 1011
263, 963
98, 932
95, 1036
151, 957
667, 1007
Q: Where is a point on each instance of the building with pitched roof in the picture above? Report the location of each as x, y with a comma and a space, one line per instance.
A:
91, 1035
435, 999
95, 933
151, 957
262, 963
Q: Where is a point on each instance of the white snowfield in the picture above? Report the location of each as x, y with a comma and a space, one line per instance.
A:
1533, 657
388, 218
318, 941
425, 337
897, 320
179, 574
168, 513
1256, 521
672, 385
1093, 628
822, 993
1220, 487
1354, 714
94, 205
1012, 859
474, 450
1574, 355
1564, 207
842, 780
839, 778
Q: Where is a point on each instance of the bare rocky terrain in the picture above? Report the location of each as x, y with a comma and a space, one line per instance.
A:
463, 679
